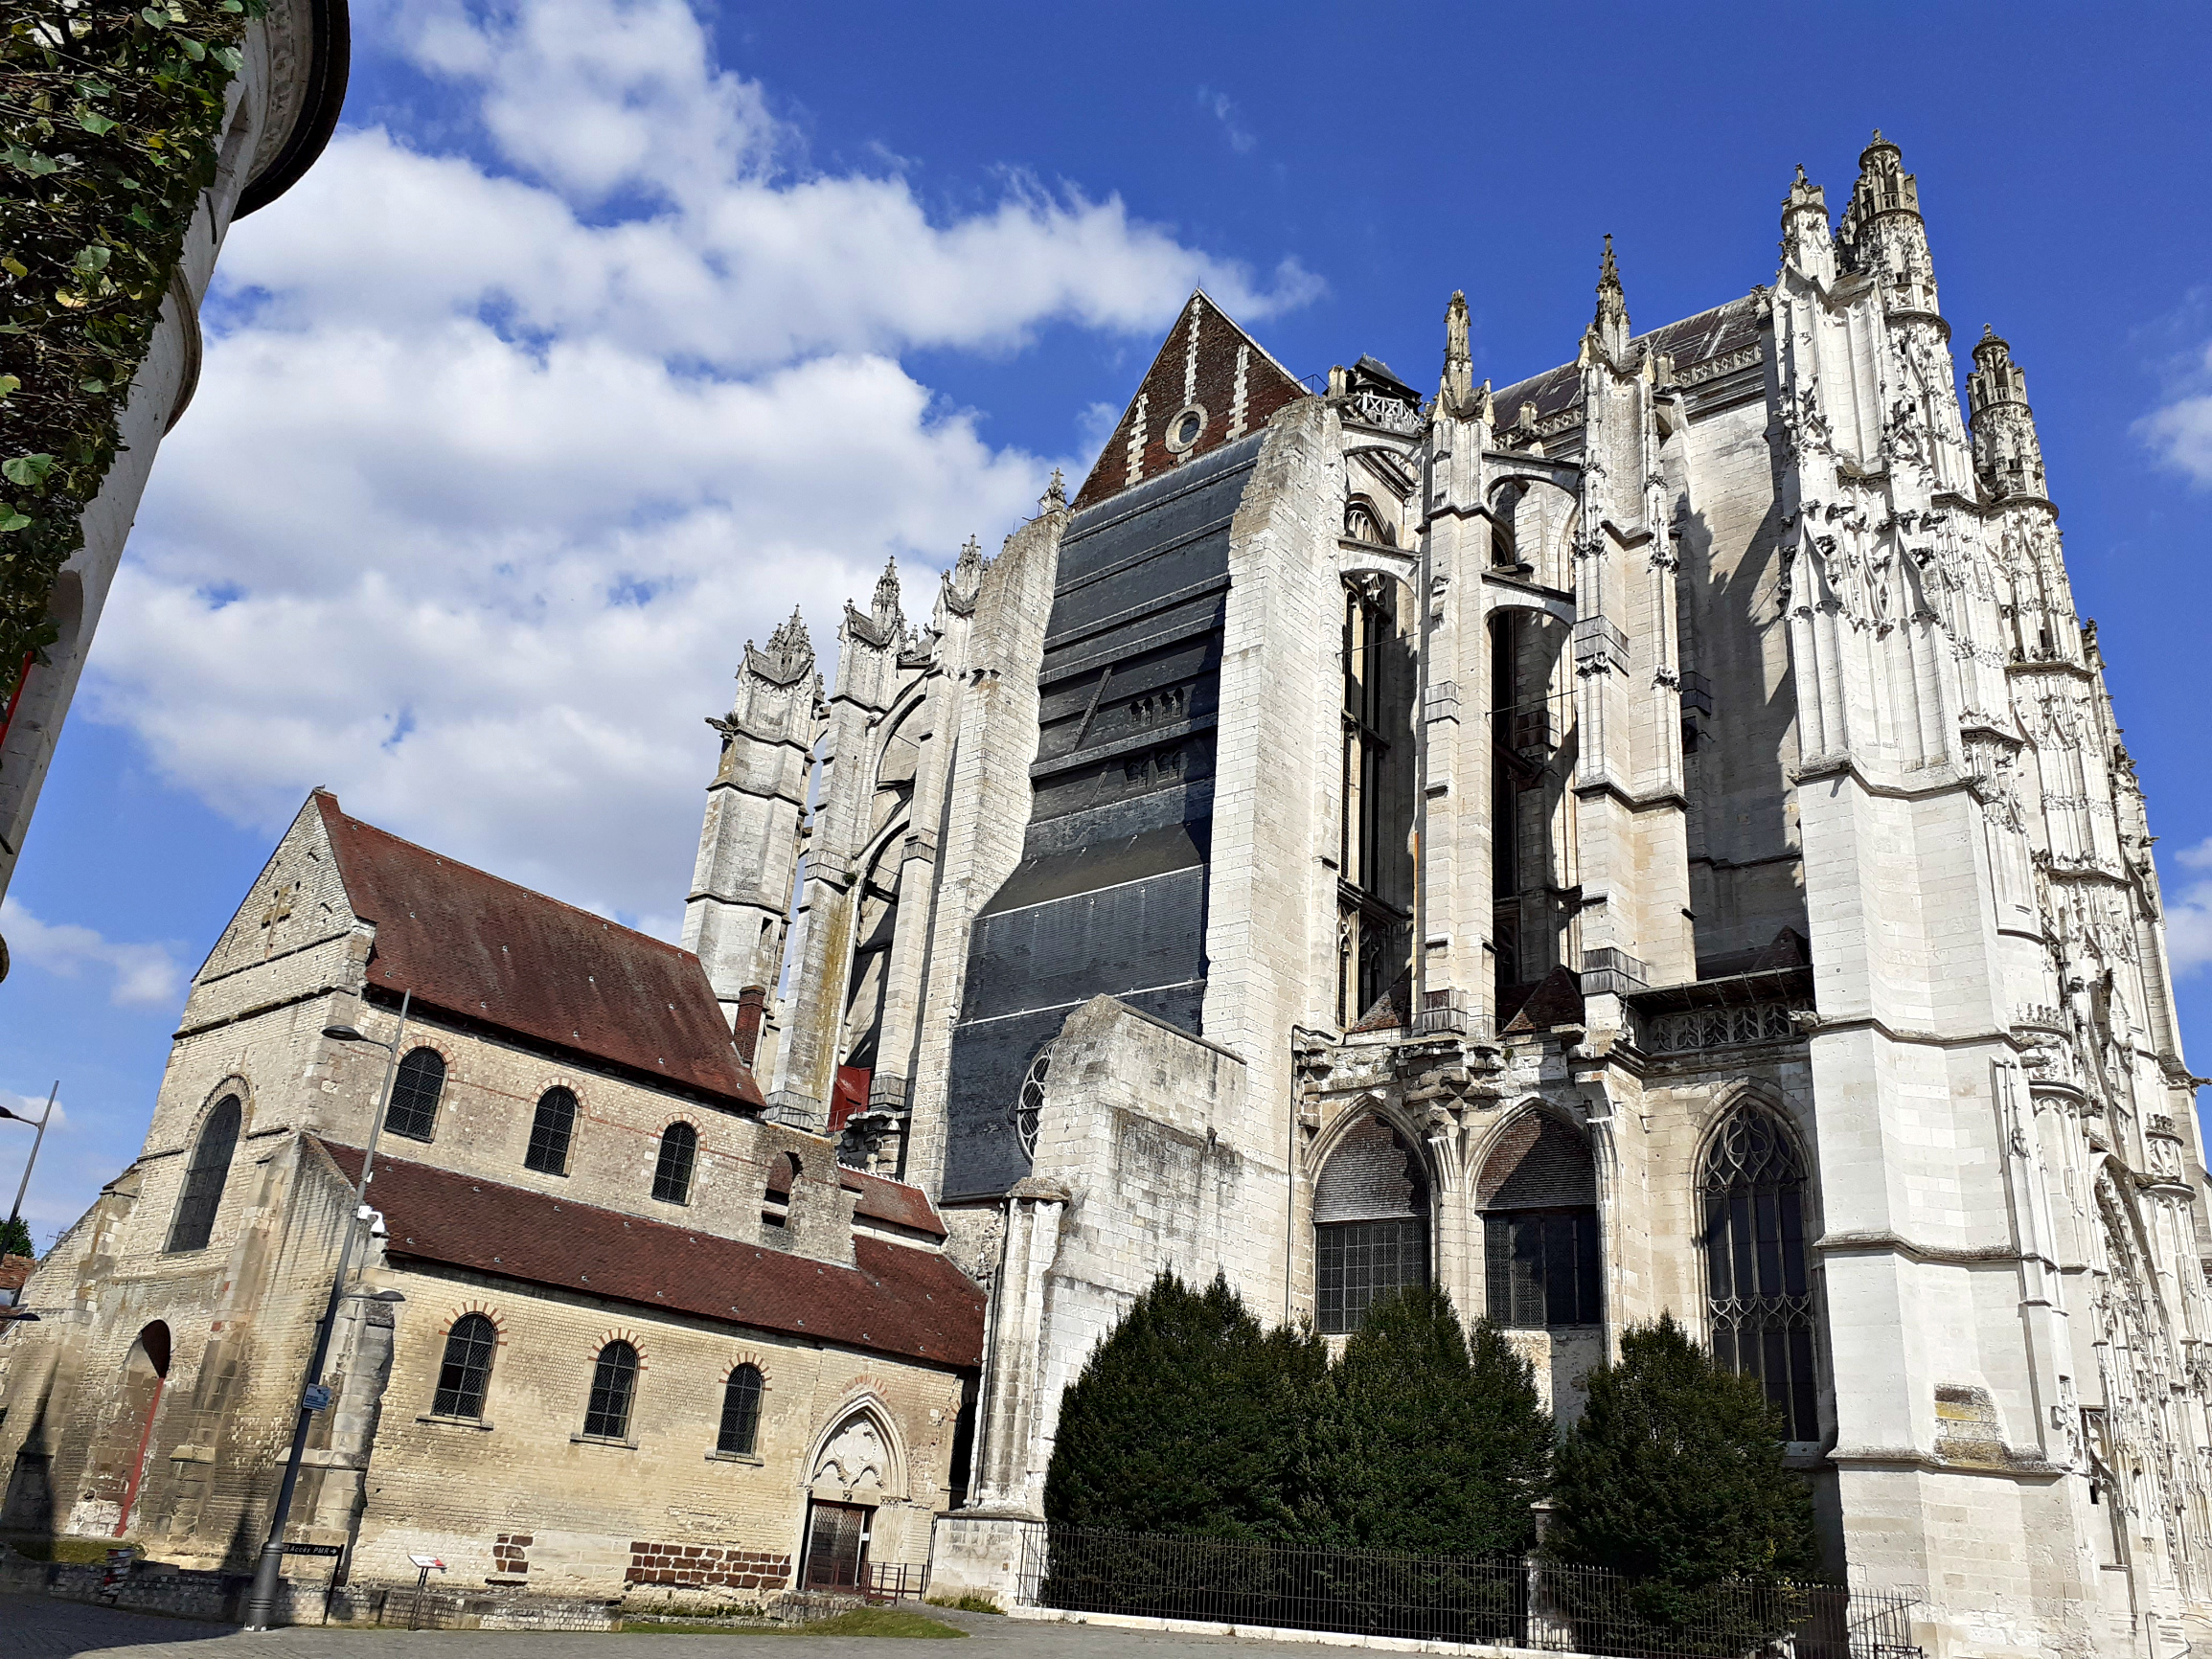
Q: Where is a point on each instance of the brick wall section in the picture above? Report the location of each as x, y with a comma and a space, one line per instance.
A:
695, 1566
1173, 383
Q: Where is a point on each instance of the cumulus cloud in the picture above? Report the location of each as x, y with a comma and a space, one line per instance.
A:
508, 441
2179, 430
29, 1108
138, 975
2189, 909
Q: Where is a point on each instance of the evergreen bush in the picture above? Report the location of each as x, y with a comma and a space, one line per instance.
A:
1189, 1420
1432, 1442
1675, 1478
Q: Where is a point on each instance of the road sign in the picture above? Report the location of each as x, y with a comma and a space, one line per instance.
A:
317, 1398
314, 1549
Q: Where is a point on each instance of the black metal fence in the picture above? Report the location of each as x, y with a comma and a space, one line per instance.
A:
1501, 1601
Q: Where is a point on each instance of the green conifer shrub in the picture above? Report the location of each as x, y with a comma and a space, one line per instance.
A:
1675, 1478
1189, 1420
1433, 1441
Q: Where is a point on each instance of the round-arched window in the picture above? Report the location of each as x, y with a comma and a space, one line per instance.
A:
671, 1175
416, 1088
551, 1131
465, 1372
1370, 1224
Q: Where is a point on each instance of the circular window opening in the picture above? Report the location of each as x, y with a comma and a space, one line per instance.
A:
1030, 1102
1185, 429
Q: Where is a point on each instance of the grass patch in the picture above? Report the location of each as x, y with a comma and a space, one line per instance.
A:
859, 1622
970, 1603
72, 1552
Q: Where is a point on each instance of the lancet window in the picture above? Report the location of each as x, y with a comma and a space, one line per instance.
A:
1758, 1293
1373, 864
1537, 1195
205, 1177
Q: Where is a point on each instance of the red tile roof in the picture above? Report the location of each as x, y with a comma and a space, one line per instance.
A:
894, 1201
489, 951
909, 1303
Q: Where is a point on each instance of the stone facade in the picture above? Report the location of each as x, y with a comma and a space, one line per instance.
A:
1652, 838
794, 1335
283, 107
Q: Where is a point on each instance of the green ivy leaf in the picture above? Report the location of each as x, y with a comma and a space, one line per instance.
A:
9, 383
156, 17
192, 49
27, 471
13, 266
93, 258
93, 122
95, 387
230, 58
11, 519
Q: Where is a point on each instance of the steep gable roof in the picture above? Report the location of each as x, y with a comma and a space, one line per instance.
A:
497, 954
896, 1299
1692, 343
1207, 363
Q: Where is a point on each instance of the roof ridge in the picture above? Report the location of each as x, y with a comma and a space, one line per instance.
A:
461, 864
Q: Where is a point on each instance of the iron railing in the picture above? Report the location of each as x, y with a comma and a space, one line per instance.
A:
1508, 1601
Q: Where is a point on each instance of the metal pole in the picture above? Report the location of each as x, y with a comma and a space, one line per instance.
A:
39, 1140
261, 1606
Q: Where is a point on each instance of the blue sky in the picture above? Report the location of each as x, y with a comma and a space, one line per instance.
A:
605, 333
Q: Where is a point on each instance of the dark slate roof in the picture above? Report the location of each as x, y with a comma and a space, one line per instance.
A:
500, 955
899, 1300
1690, 342
893, 1201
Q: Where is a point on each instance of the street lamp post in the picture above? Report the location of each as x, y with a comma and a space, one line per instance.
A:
23, 1186
261, 1606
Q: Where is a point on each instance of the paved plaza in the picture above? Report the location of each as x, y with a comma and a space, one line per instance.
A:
40, 1627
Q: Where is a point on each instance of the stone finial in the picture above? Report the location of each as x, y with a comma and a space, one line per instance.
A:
964, 579
1455, 392
1053, 500
789, 656
1807, 247
886, 604
1610, 326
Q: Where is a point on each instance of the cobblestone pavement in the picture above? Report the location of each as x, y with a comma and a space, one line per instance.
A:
40, 1627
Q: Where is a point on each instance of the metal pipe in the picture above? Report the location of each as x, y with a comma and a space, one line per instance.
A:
261, 1606
15, 1214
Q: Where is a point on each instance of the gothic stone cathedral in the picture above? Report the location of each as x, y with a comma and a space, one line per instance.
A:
1651, 837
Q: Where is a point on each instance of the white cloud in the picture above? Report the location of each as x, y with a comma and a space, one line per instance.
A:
2189, 910
1225, 111
498, 460
2179, 430
28, 1108
140, 975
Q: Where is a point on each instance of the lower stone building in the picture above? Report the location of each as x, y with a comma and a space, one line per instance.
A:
611, 1334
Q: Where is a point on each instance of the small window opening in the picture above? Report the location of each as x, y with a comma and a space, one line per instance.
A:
416, 1088
740, 1427
671, 1175
613, 1386
550, 1132
465, 1372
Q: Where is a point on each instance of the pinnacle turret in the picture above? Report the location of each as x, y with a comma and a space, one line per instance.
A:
1455, 391
1807, 247
1610, 326
2008, 456
789, 656
1883, 233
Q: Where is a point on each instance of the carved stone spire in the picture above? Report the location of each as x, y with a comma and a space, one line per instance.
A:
1053, 500
1610, 326
1883, 233
885, 608
965, 578
1455, 392
1807, 247
2008, 457
790, 653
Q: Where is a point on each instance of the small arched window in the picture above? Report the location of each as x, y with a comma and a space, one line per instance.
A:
415, 1090
613, 1387
204, 1177
671, 1175
1758, 1296
741, 1430
551, 1131
1370, 1224
465, 1370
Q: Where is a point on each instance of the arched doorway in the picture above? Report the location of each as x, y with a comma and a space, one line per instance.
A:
854, 1473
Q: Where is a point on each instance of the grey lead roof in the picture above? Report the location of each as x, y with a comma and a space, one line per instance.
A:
1693, 340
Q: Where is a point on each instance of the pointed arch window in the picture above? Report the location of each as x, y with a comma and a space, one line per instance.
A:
204, 1179
671, 1175
416, 1088
551, 1131
1370, 1224
613, 1387
1758, 1293
1537, 1195
741, 1429
465, 1372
